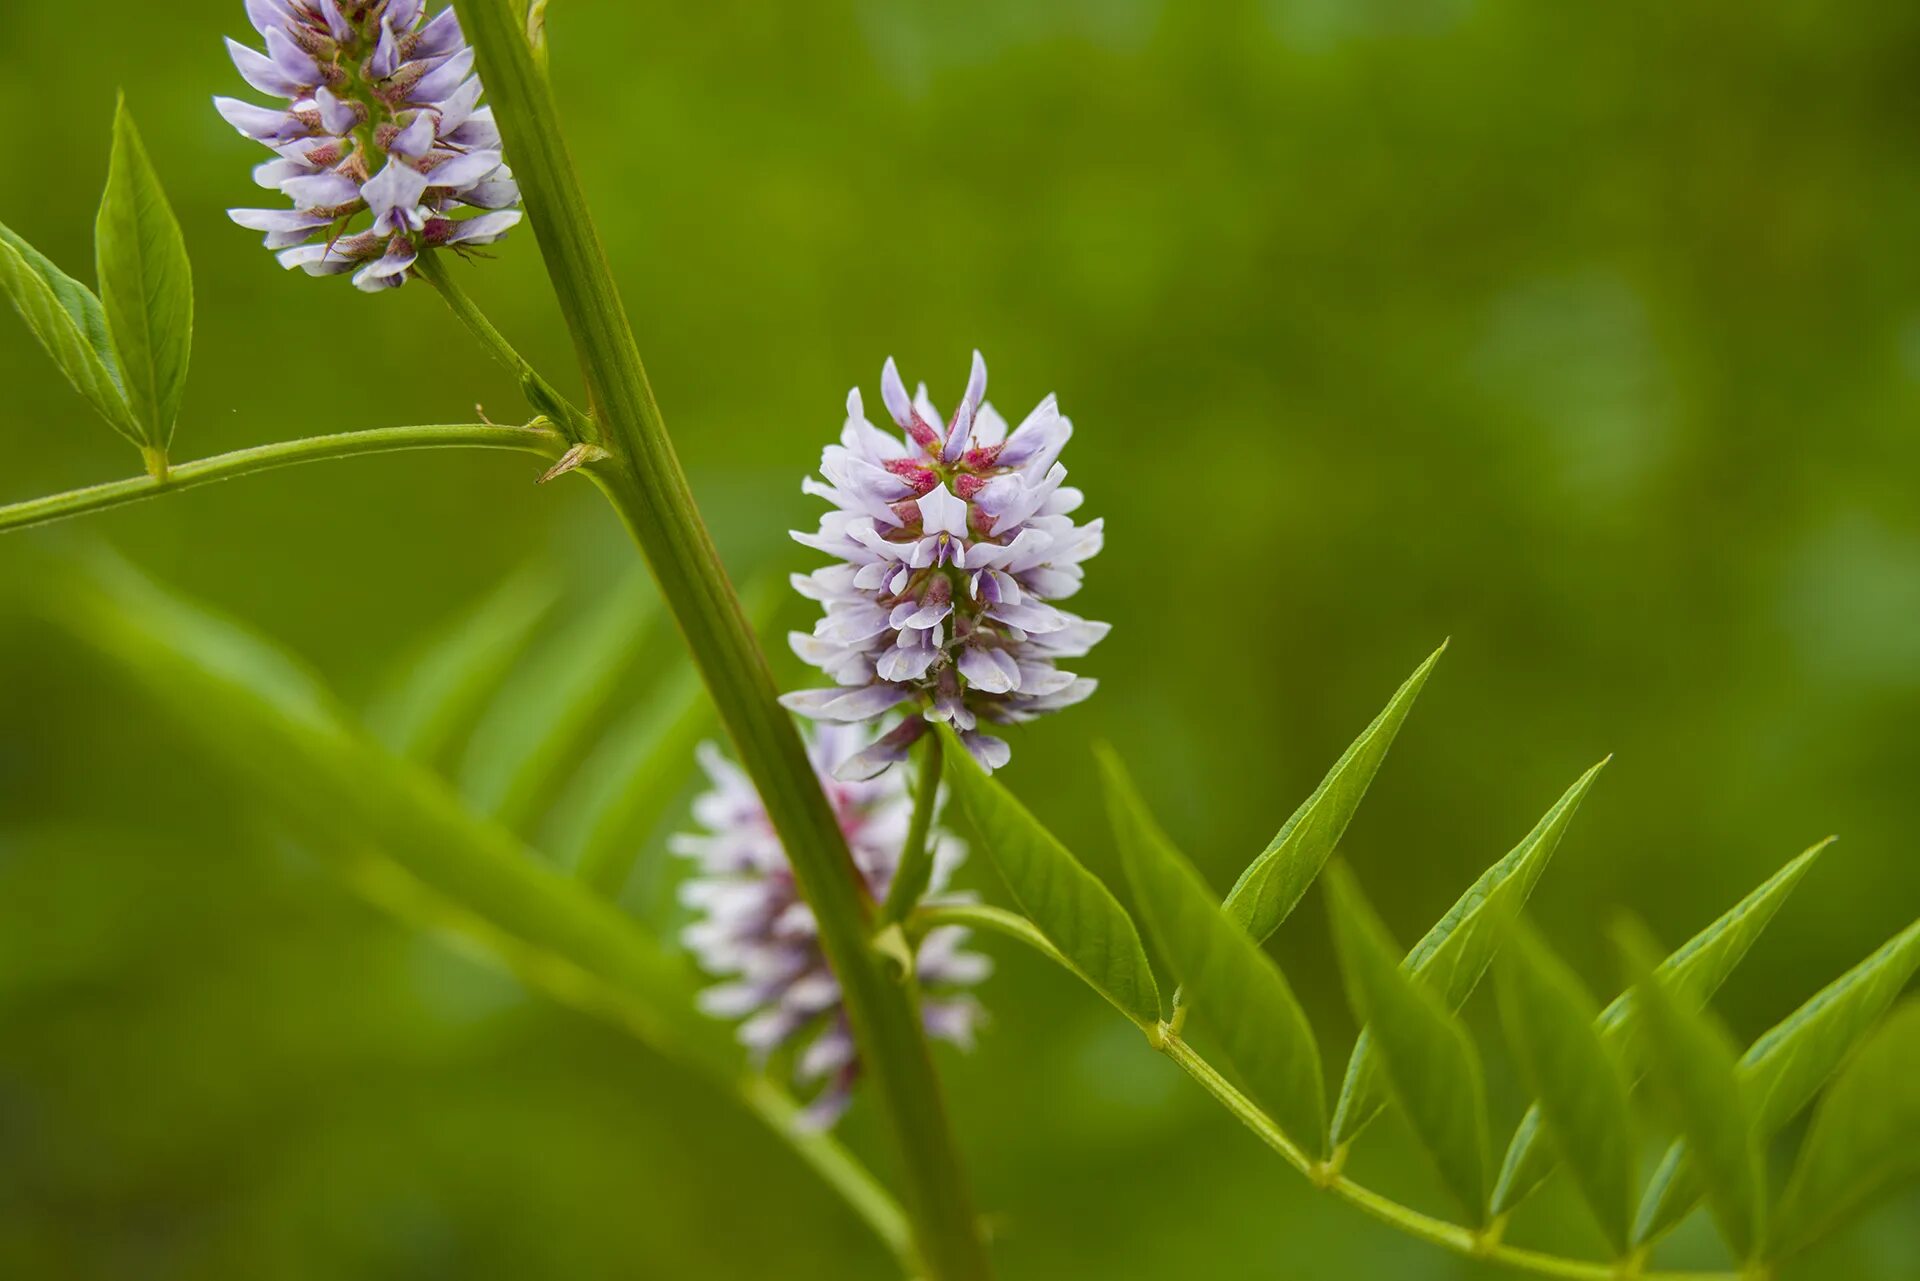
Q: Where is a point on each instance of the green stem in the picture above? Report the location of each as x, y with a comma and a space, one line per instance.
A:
982, 916
540, 393
645, 483
1452, 1236
833, 1163
915, 872
244, 462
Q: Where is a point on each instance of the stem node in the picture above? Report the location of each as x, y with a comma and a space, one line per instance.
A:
578, 456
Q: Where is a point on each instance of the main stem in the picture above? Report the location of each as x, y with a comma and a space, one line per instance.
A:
644, 481
244, 462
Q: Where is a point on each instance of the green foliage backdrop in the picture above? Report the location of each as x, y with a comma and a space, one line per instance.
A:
1588, 336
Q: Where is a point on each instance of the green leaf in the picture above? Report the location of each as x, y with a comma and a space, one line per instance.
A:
1865, 1136
1580, 1084
1273, 883
1068, 903
1694, 972
1785, 1068
146, 285
1453, 955
396, 831
400, 837
430, 699
1429, 1059
65, 316
1692, 1061
627, 782
552, 704
1264, 1032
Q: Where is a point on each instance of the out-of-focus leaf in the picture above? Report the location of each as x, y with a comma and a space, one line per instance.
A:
271, 722
1577, 1078
1264, 1032
1693, 973
1429, 1060
1453, 955
623, 789
1783, 1070
1273, 883
1692, 1061
1865, 1137
1068, 903
400, 835
551, 704
67, 319
435, 694
146, 285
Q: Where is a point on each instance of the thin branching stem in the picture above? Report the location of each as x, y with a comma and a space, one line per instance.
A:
575, 425
1451, 1236
245, 462
566, 976
915, 871
837, 1167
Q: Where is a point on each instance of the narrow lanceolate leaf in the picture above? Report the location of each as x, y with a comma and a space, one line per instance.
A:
1694, 973
438, 691
296, 751
1783, 1070
1453, 955
146, 285
1273, 883
1428, 1058
1264, 1033
65, 316
1580, 1084
1865, 1137
1068, 903
1692, 1060
550, 706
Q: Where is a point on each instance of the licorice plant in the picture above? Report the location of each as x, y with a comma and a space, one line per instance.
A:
402, 139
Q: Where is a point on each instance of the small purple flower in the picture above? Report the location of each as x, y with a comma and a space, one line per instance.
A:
954, 543
382, 144
754, 931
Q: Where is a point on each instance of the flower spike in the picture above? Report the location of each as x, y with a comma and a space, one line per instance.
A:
754, 932
953, 545
383, 147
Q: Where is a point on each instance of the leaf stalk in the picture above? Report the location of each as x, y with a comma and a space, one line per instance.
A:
165, 478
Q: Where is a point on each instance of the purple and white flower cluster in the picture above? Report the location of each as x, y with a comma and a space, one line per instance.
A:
383, 143
754, 930
954, 544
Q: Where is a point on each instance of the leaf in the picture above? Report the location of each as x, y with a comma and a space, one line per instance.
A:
146, 285
1864, 1140
1265, 1034
1692, 1060
1429, 1059
1694, 972
429, 699
1785, 1068
1580, 1084
623, 788
65, 316
1067, 902
1453, 955
390, 824
552, 703
1273, 883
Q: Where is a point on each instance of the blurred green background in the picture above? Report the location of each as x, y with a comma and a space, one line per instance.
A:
1586, 335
